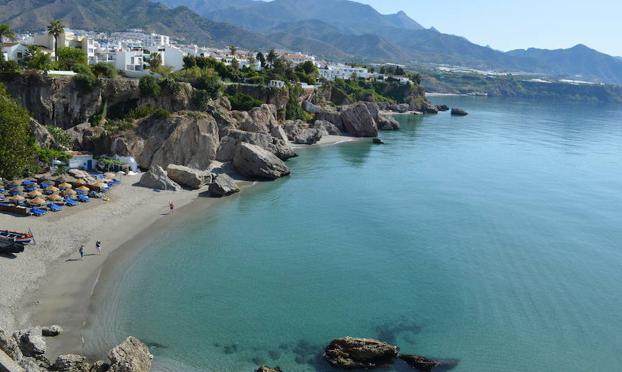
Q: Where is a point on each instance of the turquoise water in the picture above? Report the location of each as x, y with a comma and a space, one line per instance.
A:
493, 239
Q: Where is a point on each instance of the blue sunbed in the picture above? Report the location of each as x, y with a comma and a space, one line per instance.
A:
38, 212
84, 198
70, 202
54, 208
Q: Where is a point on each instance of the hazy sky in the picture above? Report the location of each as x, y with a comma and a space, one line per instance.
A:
513, 24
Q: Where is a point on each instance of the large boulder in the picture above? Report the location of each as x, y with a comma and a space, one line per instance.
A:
262, 119
185, 176
71, 363
10, 346
255, 162
30, 342
299, 132
131, 356
442, 108
387, 123
223, 185
326, 128
360, 353
190, 139
359, 121
279, 133
157, 179
233, 138
332, 117
42, 136
428, 108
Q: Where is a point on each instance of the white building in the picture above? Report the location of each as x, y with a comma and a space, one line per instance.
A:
279, 84
14, 52
129, 60
82, 160
344, 72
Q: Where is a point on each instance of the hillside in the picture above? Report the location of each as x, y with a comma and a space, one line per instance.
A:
115, 15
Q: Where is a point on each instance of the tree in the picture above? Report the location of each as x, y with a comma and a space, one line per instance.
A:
69, 58
6, 33
155, 61
56, 28
233, 50
272, 56
235, 64
106, 70
262, 59
36, 59
149, 86
16, 143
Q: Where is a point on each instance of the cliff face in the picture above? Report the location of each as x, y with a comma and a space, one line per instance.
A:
59, 101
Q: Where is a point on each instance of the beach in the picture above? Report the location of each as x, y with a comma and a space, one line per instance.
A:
49, 284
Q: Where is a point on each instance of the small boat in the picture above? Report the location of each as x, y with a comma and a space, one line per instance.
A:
16, 237
9, 247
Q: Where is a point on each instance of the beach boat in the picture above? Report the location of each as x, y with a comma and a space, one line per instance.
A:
17, 237
10, 247
14, 209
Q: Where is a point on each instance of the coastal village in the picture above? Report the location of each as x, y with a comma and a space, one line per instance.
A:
131, 126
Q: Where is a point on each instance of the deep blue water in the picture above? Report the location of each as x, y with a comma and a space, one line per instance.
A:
493, 239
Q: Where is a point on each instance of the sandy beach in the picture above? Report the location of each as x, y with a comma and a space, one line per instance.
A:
49, 284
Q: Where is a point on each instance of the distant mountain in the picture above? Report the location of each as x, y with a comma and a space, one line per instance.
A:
203, 7
116, 15
347, 16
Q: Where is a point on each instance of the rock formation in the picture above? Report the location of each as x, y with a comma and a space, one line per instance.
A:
425, 364
387, 123
157, 179
42, 136
30, 342
429, 108
185, 176
358, 121
223, 185
268, 369
131, 356
458, 112
360, 353
268, 142
326, 128
299, 132
442, 108
51, 331
255, 162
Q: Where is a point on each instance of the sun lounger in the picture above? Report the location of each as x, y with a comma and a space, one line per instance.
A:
54, 208
84, 198
38, 212
70, 202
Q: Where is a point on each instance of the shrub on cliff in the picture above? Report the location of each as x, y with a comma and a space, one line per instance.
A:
149, 86
86, 81
243, 102
16, 142
169, 85
146, 111
69, 58
105, 70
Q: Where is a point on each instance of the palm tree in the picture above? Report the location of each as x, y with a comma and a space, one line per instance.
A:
233, 50
6, 33
56, 28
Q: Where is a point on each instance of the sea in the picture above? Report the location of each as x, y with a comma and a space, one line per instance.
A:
493, 241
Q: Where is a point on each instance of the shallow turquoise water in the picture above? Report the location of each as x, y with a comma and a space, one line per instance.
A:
492, 239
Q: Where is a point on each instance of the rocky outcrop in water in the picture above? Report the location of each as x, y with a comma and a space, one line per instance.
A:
157, 179
268, 142
131, 356
255, 162
458, 112
189, 177
360, 353
268, 369
223, 185
326, 128
424, 364
358, 121
71, 363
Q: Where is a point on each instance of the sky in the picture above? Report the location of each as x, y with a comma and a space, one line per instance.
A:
519, 24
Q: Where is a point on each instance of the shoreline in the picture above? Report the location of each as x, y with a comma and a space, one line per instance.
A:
57, 293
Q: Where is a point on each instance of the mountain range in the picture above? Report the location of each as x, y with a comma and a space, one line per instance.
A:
338, 29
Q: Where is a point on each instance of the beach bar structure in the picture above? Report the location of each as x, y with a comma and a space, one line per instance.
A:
81, 160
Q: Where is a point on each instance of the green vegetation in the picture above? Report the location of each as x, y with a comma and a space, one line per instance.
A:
45, 156
147, 111
59, 135
6, 33
104, 70
16, 142
243, 102
155, 61
37, 60
69, 58
56, 28
293, 110
149, 86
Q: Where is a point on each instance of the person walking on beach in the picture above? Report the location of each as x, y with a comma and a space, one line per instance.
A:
171, 207
98, 246
81, 250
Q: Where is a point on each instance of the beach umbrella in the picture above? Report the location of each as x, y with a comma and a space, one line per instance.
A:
83, 188
69, 192
99, 185
81, 181
64, 185
55, 197
51, 189
17, 198
37, 201
109, 175
34, 194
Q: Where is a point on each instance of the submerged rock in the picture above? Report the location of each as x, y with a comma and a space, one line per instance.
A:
360, 353
157, 179
268, 369
192, 178
223, 185
253, 161
458, 112
131, 356
377, 141
442, 108
51, 331
424, 364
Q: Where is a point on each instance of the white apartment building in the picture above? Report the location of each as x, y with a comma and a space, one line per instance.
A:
344, 72
14, 52
129, 60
